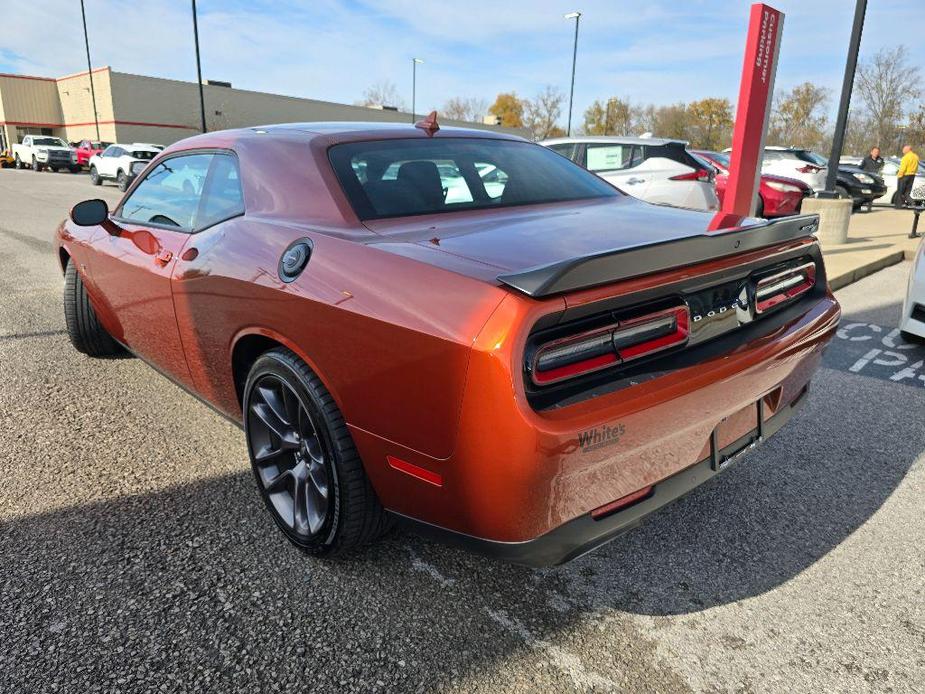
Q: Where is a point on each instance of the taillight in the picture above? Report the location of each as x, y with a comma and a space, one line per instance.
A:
783, 286
614, 344
809, 168
695, 175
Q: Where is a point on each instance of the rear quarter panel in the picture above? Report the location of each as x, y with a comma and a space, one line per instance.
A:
390, 337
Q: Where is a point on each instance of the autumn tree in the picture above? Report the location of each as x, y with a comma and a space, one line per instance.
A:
612, 117
542, 113
709, 123
671, 121
887, 84
509, 108
382, 94
799, 118
470, 109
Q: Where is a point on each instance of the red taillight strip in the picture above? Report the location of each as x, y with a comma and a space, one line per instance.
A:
696, 175
784, 286
585, 366
417, 471
679, 336
680, 330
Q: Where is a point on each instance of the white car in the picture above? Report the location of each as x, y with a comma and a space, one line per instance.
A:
649, 168
793, 162
913, 320
121, 163
888, 172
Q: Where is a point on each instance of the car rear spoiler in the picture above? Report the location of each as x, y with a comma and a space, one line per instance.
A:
625, 263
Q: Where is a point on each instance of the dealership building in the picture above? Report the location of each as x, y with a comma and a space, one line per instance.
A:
135, 108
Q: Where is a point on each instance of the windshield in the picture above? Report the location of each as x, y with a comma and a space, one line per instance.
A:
48, 141
817, 159
397, 178
719, 158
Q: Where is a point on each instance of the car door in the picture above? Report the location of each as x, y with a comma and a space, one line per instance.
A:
134, 262
617, 163
105, 165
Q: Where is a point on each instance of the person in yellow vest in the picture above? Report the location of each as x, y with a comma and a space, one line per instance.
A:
905, 177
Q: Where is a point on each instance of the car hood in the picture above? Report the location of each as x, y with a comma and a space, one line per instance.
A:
486, 243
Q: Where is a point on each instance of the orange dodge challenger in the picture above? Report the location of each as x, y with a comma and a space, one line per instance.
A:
454, 328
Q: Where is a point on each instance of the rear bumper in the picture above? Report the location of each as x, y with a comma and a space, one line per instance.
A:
585, 533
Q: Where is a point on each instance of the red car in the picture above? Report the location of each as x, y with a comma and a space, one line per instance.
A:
525, 366
778, 196
88, 148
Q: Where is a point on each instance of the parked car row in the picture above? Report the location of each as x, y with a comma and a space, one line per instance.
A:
105, 160
888, 174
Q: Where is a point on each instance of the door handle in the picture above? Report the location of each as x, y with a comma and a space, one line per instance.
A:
163, 256
635, 180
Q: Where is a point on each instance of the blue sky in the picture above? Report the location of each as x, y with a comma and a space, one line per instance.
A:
655, 51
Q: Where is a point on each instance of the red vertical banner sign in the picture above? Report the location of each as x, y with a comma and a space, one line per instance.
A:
755, 92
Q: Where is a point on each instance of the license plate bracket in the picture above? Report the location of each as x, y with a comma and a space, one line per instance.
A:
721, 458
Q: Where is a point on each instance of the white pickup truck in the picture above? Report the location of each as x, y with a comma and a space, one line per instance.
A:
40, 151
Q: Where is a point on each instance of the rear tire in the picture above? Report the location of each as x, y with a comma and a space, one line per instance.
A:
54, 169
304, 460
911, 337
83, 328
95, 176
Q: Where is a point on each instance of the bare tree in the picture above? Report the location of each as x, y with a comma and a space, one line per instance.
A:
887, 84
799, 117
542, 113
470, 109
382, 94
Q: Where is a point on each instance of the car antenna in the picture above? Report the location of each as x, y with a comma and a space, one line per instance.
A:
429, 124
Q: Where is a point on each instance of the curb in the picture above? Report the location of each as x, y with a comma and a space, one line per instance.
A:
866, 269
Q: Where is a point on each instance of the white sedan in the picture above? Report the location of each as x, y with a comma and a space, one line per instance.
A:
913, 320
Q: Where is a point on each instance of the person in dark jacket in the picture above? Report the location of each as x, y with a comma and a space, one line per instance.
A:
873, 162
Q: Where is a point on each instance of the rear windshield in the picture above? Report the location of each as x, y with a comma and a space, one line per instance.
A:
397, 178
143, 154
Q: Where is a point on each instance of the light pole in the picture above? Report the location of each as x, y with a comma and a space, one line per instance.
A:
571, 95
202, 101
841, 122
414, 83
96, 118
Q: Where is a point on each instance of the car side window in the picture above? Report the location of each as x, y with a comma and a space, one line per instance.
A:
612, 157
170, 192
222, 198
566, 149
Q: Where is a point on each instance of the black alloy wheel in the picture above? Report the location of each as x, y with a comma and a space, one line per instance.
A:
289, 457
303, 457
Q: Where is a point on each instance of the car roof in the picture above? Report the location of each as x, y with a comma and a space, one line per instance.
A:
134, 145
779, 148
615, 139
356, 130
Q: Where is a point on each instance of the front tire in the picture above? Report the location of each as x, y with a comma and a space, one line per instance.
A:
83, 328
35, 165
306, 466
18, 163
122, 181
95, 176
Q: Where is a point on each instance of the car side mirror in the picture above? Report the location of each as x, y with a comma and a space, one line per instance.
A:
90, 213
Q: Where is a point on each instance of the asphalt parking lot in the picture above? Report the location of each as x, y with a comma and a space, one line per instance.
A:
135, 554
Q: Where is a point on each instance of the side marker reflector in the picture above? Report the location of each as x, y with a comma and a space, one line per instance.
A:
622, 503
417, 471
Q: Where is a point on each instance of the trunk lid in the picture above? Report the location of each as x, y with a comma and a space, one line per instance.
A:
487, 243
